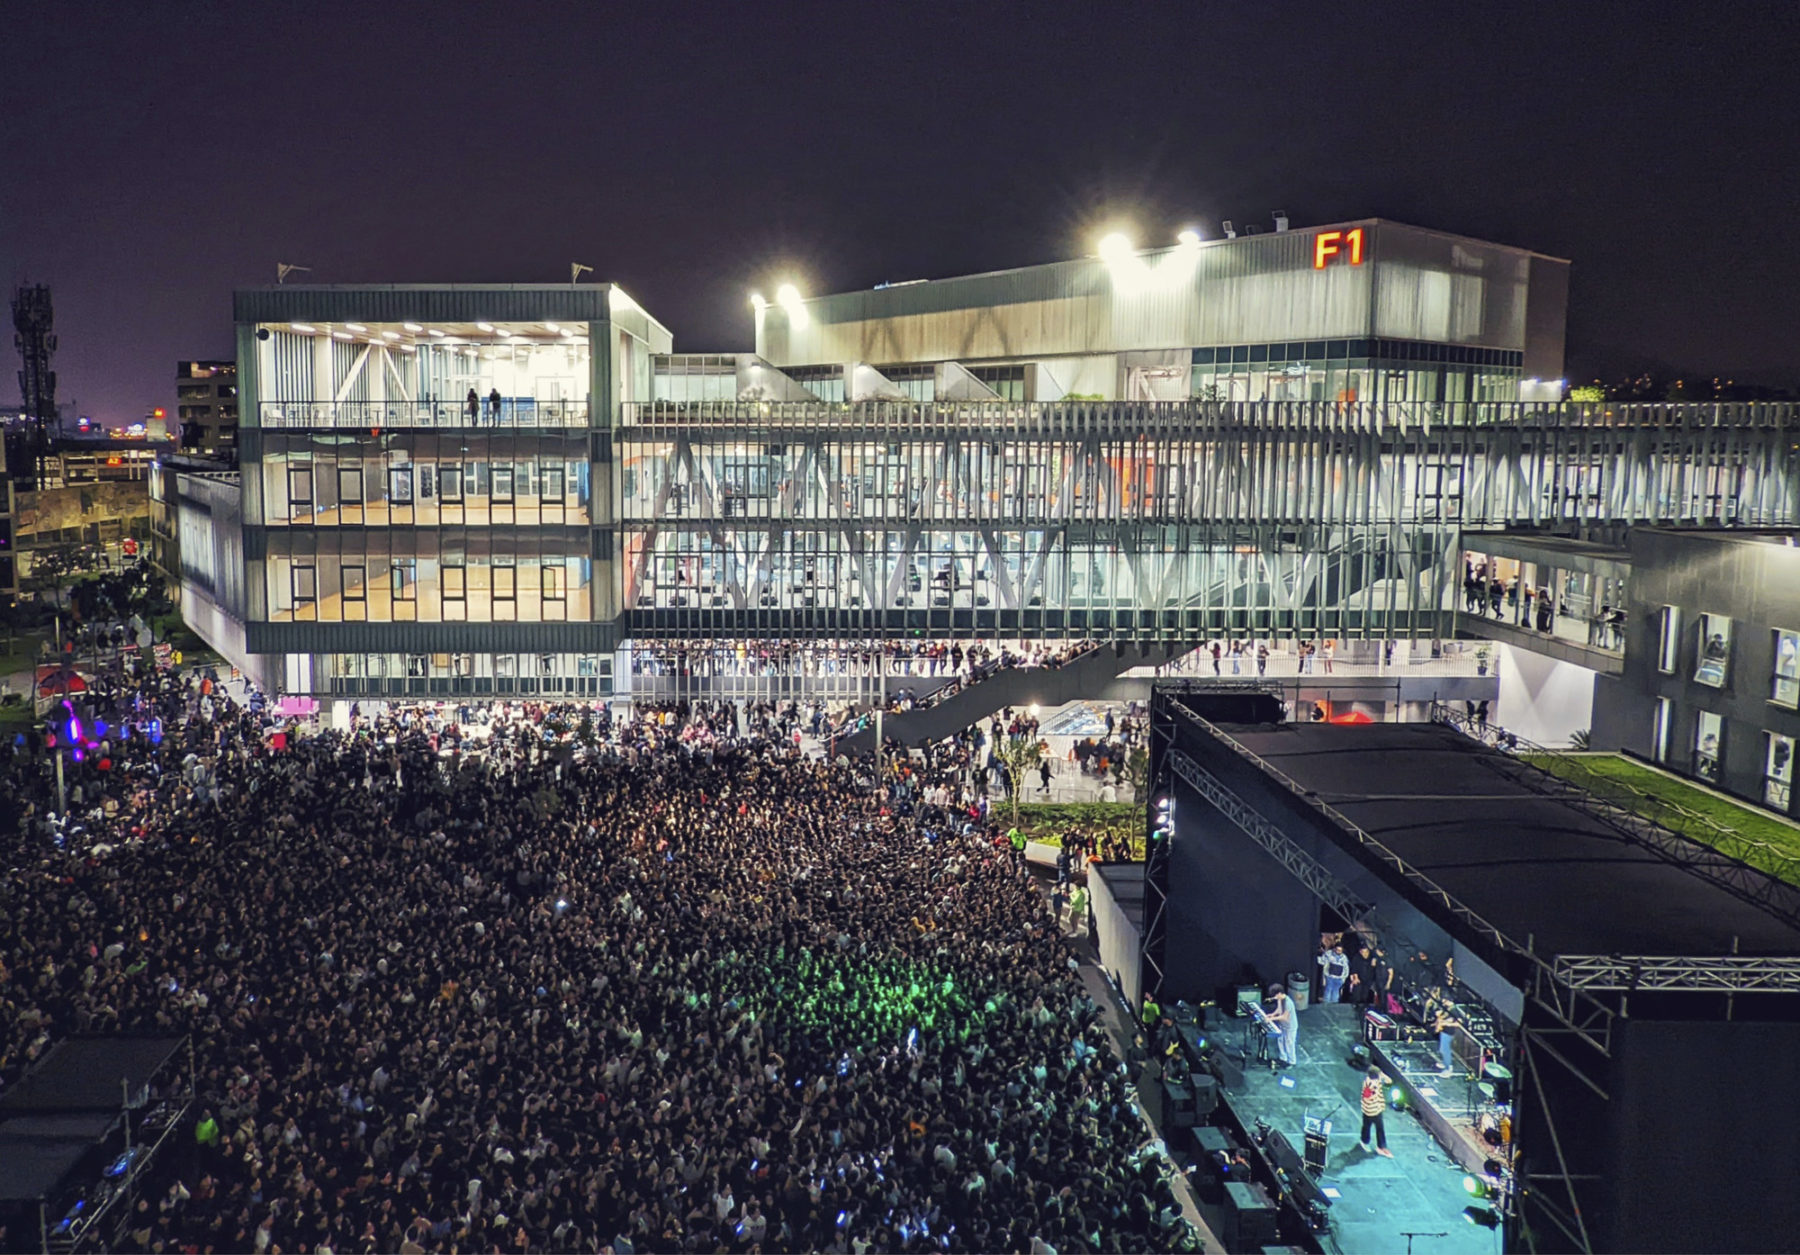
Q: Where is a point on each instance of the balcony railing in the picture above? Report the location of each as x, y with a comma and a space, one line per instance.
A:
1174, 417
514, 412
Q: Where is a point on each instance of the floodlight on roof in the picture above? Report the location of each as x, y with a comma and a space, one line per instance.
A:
788, 296
1116, 247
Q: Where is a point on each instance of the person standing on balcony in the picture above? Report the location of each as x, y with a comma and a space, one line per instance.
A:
494, 406
473, 407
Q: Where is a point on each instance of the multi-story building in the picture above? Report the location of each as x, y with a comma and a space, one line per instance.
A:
505, 489
1360, 312
427, 483
206, 408
164, 548
1710, 682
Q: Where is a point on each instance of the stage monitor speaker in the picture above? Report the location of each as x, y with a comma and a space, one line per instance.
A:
1206, 1093
1178, 1106
1249, 1218
1210, 1139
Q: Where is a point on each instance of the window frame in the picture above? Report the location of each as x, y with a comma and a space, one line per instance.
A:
1668, 641
453, 588
1718, 752
295, 472
1778, 790
505, 589
1703, 663
357, 594
1777, 679
296, 597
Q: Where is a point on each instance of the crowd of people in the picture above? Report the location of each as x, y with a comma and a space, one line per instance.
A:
668, 984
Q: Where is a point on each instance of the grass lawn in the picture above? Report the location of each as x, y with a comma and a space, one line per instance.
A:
22, 653
1743, 832
1046, 822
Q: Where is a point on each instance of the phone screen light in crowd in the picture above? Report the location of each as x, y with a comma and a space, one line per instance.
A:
562, 904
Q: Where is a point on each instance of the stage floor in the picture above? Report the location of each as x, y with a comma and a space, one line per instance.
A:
1419, 1191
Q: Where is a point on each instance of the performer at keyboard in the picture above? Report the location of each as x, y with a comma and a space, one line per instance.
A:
1282, 1016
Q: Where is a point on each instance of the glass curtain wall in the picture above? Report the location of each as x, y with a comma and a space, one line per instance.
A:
1132, 519
413, 374
420, 479
1356, 371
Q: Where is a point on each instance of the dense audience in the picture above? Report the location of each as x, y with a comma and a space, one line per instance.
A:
555, 984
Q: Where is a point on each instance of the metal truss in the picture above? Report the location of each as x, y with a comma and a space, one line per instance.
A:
1716, 864
1149, 519
1303, 866
1577, 1018
1578, 1010
1725, 974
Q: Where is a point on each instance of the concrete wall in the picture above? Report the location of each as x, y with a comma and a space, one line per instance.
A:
1542, 699
1755, 582
123, 504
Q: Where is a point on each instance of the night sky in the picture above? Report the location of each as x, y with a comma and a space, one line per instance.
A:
156, 157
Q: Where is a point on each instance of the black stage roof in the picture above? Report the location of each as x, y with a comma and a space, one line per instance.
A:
37, 1152
1531, 866
84, 1074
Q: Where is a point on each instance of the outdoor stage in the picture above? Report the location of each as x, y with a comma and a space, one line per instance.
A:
1379, 1201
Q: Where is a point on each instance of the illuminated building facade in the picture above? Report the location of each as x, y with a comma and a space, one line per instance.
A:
206, 408
499, 490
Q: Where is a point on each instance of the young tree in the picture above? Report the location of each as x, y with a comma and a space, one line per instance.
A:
1018, 755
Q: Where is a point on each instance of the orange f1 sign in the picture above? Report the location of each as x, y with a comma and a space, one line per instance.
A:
1329, 244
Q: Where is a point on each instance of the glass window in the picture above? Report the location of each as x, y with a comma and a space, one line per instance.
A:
300, 492
400, 485
1668, 647
1659, 731
405, 576
455, 579
506, 590
306, 590
450, 483
503, 484
1709, 732
1778, 771
356, 591
1786, 689
1715, 650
